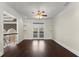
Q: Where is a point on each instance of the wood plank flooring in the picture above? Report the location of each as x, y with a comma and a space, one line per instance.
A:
37, 48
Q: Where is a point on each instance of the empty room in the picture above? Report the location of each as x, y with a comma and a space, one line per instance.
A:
39, 29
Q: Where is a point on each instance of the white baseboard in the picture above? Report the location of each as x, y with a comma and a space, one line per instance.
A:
65, 46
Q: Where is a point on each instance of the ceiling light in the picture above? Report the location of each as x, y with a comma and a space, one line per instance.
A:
39, 14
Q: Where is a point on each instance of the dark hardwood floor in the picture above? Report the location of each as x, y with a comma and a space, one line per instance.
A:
37, 48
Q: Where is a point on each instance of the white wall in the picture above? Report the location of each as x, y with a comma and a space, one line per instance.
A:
20, 30
67, 28
5, 7
28, 29
1, 36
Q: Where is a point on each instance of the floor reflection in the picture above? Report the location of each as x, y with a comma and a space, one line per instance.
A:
35, 45
38, 47
41, 45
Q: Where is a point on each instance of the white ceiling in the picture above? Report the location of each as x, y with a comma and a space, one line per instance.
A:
26, 8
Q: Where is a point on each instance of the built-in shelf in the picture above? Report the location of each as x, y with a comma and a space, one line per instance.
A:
10, 33
10, 22
10, 27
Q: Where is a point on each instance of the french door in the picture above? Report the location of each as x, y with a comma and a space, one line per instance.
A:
38, 33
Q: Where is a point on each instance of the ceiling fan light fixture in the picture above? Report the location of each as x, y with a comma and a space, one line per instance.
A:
39, 14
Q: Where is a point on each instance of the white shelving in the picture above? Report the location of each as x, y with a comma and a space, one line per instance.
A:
9, 33
10, 22
10, 27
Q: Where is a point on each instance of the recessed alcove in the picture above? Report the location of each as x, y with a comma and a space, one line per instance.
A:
10, 29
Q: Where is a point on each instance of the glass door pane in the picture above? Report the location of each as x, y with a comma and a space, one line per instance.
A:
35, 32
41, 33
